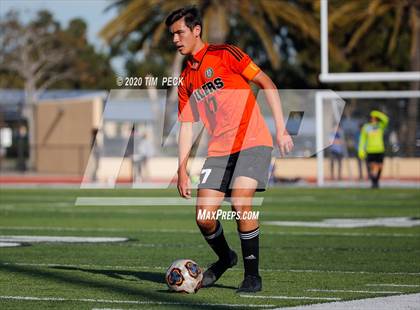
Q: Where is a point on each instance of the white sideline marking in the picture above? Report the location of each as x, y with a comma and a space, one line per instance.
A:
237, 269
136, 302
351, 223
151, 201
342, 234
393, 285
63, 228
402, 302
291, 297
84, 266
353, 291
342, 271
67, 239
9, 244
194, 231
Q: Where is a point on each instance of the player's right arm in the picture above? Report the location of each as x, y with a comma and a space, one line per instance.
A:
283, 138
382, 117
186, 118
184, 148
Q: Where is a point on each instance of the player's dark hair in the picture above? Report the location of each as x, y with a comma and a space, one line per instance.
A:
190, 14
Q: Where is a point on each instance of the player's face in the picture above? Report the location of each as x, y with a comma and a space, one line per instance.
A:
183, 37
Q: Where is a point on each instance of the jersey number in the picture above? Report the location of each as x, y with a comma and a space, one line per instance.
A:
211, 104
211, 109
206, 173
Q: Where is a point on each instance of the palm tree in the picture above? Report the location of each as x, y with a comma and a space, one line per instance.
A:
264, 17
363, 16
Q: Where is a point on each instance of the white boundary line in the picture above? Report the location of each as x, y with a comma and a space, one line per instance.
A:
9, 244
292, 297
136, 302
393, 285
353, 291
152, 201
61, 239
398, 302
350, 222
237, 269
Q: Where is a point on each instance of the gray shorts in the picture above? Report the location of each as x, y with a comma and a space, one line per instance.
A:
219, 172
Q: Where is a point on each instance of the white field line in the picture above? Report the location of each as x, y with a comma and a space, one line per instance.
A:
9, 244
195, 231
84, 266
151, 201
117, 267
316, 234
135, 302
67, 239
351, 222
291, 297
64, 228
354, 291
393, 285
343, 271
399, 302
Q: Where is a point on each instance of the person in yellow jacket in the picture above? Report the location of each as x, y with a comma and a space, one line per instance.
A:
371, 145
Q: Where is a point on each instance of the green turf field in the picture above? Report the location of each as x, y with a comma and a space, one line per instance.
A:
297, 263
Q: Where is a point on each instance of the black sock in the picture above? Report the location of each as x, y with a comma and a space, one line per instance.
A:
250, 251
217, 242
378, 175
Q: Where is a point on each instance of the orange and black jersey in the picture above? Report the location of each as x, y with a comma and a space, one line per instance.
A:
215, 90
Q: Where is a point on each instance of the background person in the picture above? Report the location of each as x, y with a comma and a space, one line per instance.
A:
336, 153
372, 146
142, 153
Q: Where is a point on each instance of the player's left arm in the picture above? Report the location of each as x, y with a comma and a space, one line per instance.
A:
283, 138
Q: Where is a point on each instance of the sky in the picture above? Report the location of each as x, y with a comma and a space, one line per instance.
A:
91, 11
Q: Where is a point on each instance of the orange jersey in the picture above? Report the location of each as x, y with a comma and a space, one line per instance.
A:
215, 90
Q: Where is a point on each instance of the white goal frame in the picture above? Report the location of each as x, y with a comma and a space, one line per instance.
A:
334, 77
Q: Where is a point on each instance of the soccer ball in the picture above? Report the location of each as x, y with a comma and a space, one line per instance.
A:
184, 275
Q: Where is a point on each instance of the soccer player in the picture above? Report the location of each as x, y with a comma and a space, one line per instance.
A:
371, 145
215, 90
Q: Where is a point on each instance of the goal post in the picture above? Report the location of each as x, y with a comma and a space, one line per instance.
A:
335, 77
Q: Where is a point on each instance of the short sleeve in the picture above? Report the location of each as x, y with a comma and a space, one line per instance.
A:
185, 113
240, 62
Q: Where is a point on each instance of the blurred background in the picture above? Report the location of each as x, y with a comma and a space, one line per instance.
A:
59, 61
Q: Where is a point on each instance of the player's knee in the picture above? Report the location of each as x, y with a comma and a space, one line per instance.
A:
206, 224
241, 203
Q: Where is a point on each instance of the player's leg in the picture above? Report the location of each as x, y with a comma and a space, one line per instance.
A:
371, 168
248, 228
332, 166
378, 168
373, 173
378, 175
208, 202
340, 166
251, 174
